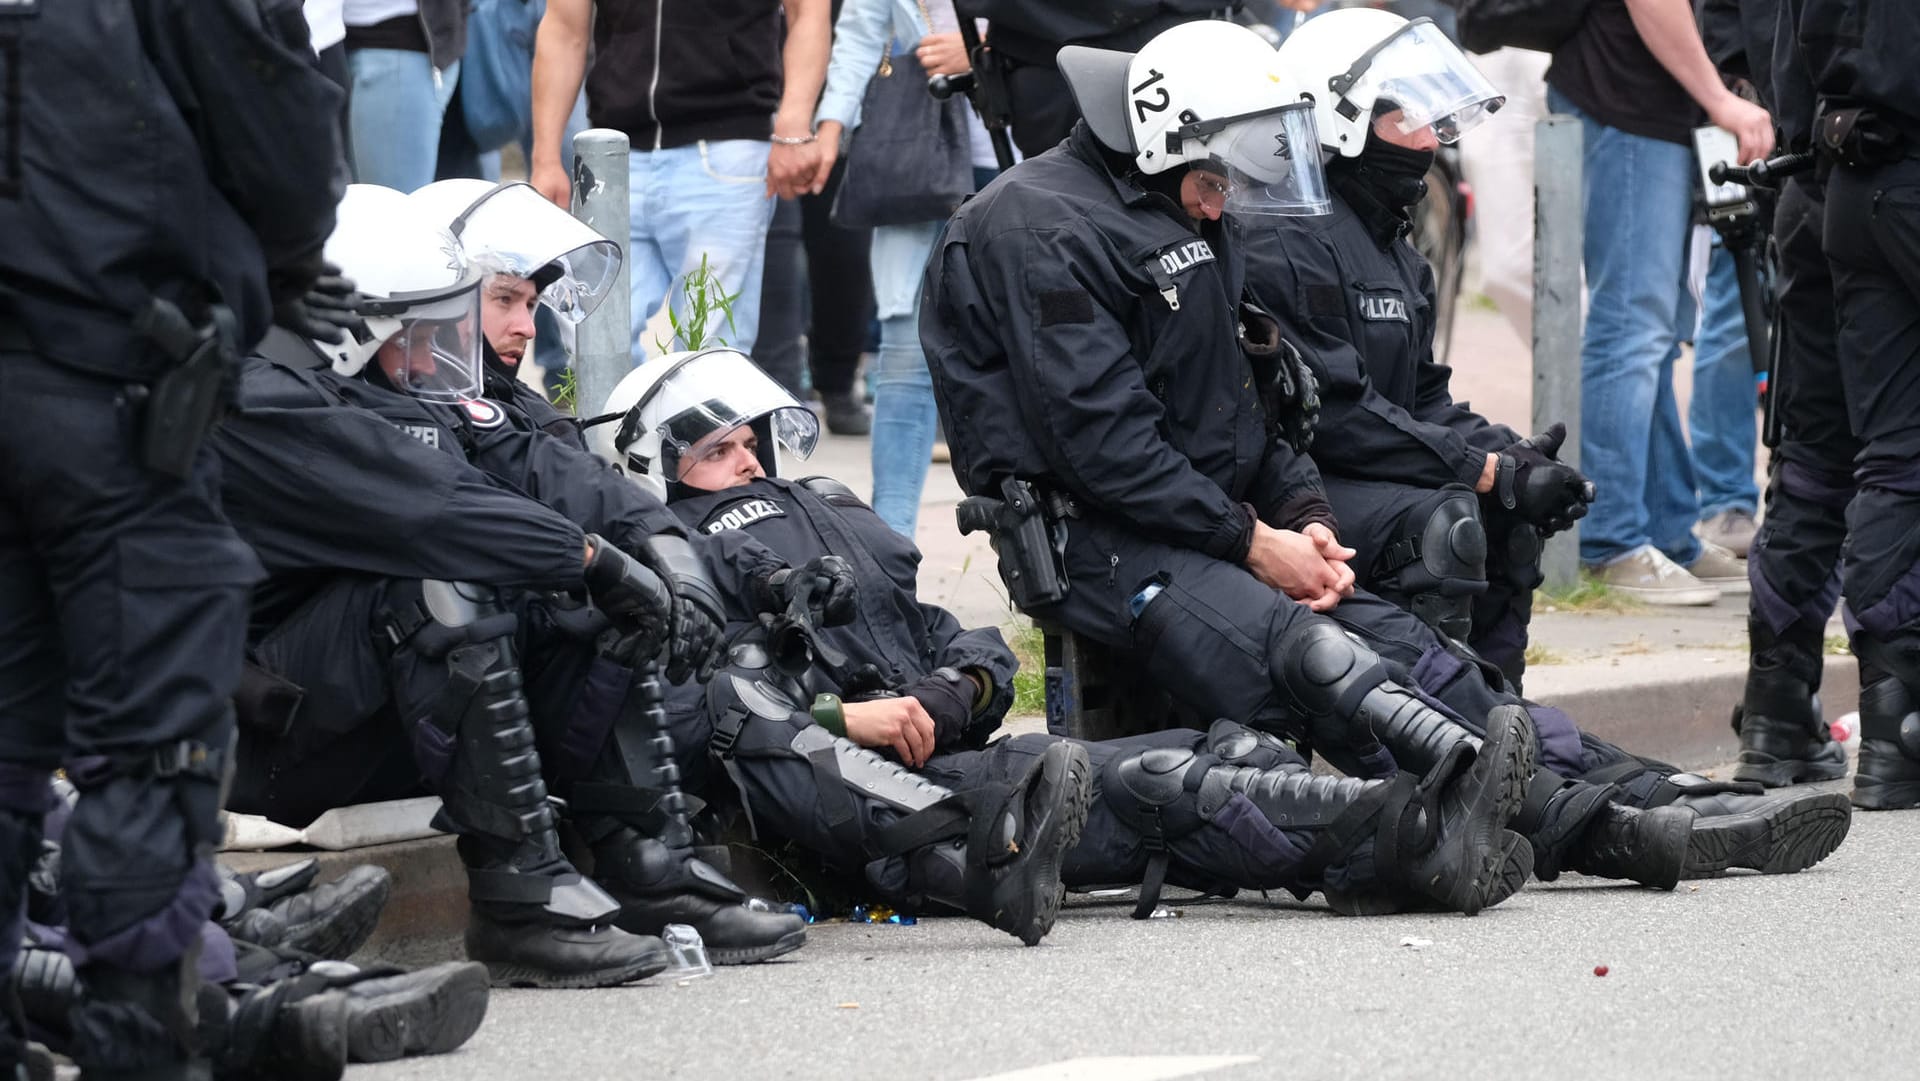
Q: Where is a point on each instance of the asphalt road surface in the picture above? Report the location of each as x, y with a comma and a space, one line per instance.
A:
1805, 976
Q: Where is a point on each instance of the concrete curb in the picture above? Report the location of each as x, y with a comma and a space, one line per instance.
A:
1679, 717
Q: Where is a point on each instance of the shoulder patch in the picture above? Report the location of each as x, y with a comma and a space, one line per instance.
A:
483, 413
1059, 306
741, 514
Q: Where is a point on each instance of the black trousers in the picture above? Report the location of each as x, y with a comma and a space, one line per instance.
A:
1873, 241
818, 284
123, 604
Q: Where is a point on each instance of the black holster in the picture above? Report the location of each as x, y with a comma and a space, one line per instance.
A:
1029, 536
1859, 138
182, 407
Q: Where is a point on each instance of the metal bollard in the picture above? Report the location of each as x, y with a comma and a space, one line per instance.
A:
604, 340
1559, 232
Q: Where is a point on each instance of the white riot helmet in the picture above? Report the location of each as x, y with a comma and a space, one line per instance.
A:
419, 300
1349, 61
513, 229
1208, 94
666, 407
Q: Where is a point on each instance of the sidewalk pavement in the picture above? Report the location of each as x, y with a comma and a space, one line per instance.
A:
1660, 681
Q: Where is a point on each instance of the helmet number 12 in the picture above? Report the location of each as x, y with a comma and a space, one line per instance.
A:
1143, 105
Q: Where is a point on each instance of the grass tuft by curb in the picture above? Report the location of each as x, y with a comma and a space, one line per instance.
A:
1588, 595
1836, 645
1538, 655
1030, 682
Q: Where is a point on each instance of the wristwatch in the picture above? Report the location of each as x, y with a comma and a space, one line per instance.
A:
828, 712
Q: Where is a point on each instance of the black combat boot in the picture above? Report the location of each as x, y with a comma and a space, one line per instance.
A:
138, 1026
282, 907
1784, 740
1575, 826
1889, 775
1737, 824
657, 885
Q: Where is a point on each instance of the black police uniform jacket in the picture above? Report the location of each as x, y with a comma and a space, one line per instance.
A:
169, 148
1083, 335
1859, 53
1358, 300
326, 475
895, 639
526, 407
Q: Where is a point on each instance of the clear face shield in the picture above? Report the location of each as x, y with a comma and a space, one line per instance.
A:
709, 395
1265, 164
1431, 81
436, 353
517, 231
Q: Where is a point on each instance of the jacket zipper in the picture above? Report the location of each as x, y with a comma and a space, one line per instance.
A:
653, 84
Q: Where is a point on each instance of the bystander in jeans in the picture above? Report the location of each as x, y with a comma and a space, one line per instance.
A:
403, 57
719, 113
1721, 418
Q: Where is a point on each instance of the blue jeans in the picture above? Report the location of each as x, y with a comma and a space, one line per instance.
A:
1721, 417
1638, 197
706, 200
904, 418
393, 115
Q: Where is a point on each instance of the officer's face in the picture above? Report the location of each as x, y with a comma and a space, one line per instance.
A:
407, 357
1386, 127
506, 316
1203, 194
726, 462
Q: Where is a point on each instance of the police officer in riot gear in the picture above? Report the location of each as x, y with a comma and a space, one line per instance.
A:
1087, 362
1445, 510
904, 679
151, 232
424, 606
534, 253
1868, 130
1795, 559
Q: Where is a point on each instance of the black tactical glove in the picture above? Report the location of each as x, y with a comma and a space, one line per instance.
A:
633, 597
1531, 482
835, 595
699, 616
314, 301
948, 698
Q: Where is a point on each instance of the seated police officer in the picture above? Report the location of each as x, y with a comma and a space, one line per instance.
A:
534, 253
1089, 367
421, 602
1402, 461
904, 685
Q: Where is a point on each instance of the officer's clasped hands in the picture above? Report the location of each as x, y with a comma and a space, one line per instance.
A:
1531, 481
835, 592
1308, 568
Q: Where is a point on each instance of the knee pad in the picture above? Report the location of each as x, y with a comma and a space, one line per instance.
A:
1237, 745
433, 618
1324, 670
753, 706
1438, 560
1153, 790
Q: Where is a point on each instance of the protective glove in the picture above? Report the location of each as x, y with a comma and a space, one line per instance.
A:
314, 301
836, 593
1530, 481
699, 615
633, 597
947, 696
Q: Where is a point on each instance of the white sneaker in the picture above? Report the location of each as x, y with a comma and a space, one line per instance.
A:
1648, 576
1719, 567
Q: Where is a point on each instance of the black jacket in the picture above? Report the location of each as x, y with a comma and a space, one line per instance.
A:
1082, 335
169, 148
895, 635
1363, 318
1860, 52
527, 407
673, 72
1032, 31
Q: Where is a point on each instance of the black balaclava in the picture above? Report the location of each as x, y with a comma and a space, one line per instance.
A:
1382, 184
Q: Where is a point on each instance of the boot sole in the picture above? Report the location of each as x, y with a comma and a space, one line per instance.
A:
509, 974
348, 927
1870, 794
753, 955
1504, 762
1064, 767
1770, 772
1516, 867
1779, 841
427, 1020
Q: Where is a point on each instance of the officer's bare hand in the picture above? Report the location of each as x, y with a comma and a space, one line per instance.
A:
942, 54
1748, 122
1293, 564
1336, 555
900, 723
550, 179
